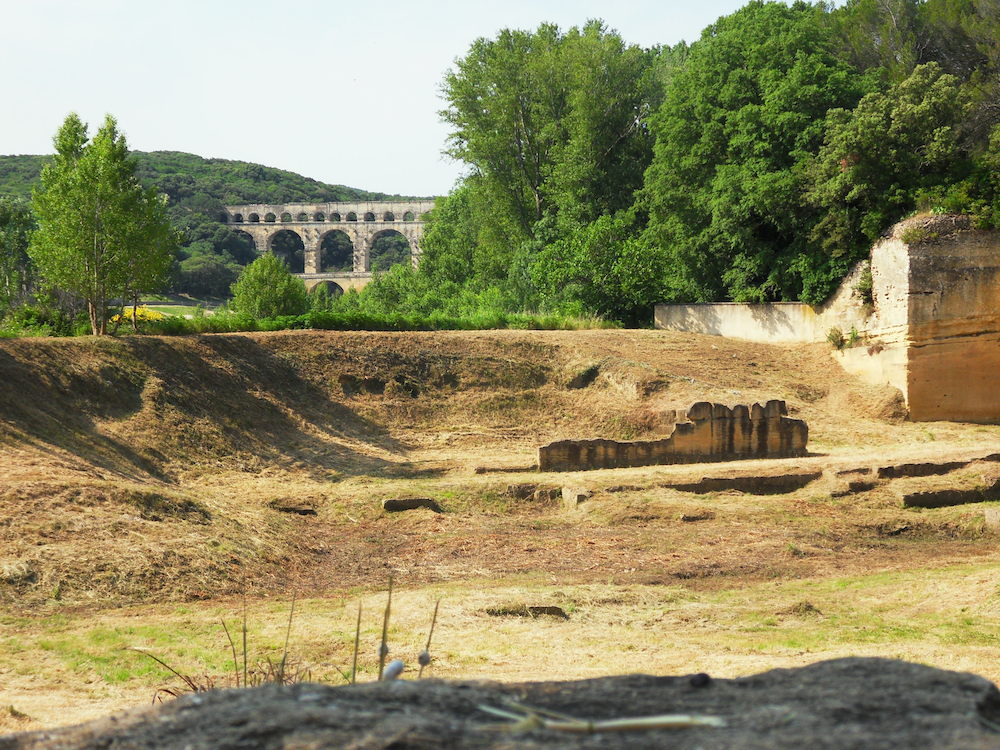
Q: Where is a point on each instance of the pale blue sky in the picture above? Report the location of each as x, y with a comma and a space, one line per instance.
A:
341, 92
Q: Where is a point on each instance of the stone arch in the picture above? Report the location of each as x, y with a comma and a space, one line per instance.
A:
351, 216
319, 216
332, 287
289, 246
237, 218
250, 241
408, 216
253, 218
389, 248
369, 216
336, 252
303, 217
269, 218
286, 217
334, 216
388, 216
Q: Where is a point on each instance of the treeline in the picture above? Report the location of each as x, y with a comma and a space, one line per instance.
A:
756, 164
210, 256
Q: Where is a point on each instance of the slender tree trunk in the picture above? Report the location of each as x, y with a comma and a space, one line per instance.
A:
92, 313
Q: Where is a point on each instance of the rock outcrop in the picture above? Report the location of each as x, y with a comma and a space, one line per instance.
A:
833, 705
711, 432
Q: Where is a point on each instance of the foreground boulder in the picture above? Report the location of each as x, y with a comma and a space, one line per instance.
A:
844, 703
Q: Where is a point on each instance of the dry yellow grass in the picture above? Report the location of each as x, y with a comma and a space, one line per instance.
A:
141, 481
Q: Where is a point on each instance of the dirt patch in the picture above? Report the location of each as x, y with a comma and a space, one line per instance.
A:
846, 703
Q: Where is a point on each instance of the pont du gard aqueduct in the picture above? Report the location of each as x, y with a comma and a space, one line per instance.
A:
360, 224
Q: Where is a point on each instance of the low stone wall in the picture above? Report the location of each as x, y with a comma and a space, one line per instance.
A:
712, 432
773, 323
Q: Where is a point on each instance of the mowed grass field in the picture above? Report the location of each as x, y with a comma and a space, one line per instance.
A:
151, 489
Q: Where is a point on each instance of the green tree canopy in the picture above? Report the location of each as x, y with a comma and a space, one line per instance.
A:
16, 272
735, 129
552, 127
266, 289
100, 236
878, 158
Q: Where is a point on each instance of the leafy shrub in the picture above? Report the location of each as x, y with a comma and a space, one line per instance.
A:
141, 313
836, 338
266, 289
864, 289
914, 235
40, 320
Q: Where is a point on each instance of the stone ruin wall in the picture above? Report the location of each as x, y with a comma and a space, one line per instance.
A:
711, 432
933, 331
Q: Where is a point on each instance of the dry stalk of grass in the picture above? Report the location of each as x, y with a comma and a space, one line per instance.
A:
527, 718
425, 656
383, 649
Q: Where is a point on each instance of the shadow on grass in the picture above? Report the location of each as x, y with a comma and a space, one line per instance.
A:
132, 405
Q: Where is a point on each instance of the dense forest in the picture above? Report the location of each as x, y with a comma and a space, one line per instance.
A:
757, 163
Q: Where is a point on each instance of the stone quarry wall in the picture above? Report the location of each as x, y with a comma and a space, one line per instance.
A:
933, 331
953, 310
712, 432
773, 323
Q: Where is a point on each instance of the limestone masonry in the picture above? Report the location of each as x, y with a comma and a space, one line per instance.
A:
363, 222
711, 432
932, 328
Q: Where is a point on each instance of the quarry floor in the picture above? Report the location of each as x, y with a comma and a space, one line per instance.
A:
152, 488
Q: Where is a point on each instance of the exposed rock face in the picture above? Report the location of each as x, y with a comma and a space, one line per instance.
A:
712, 432
833, 705
953, 311
931, 327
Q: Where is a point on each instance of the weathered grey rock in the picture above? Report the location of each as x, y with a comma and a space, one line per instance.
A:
991, 517
832, 705
573, 496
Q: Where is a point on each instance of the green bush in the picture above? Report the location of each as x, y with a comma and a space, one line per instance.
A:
864, 290
836, 338
266, 289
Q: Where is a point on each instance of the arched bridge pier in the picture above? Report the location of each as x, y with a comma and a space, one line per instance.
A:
360, 223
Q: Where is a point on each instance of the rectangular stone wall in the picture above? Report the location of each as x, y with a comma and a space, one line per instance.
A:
953, 367
713, 432
773, 323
